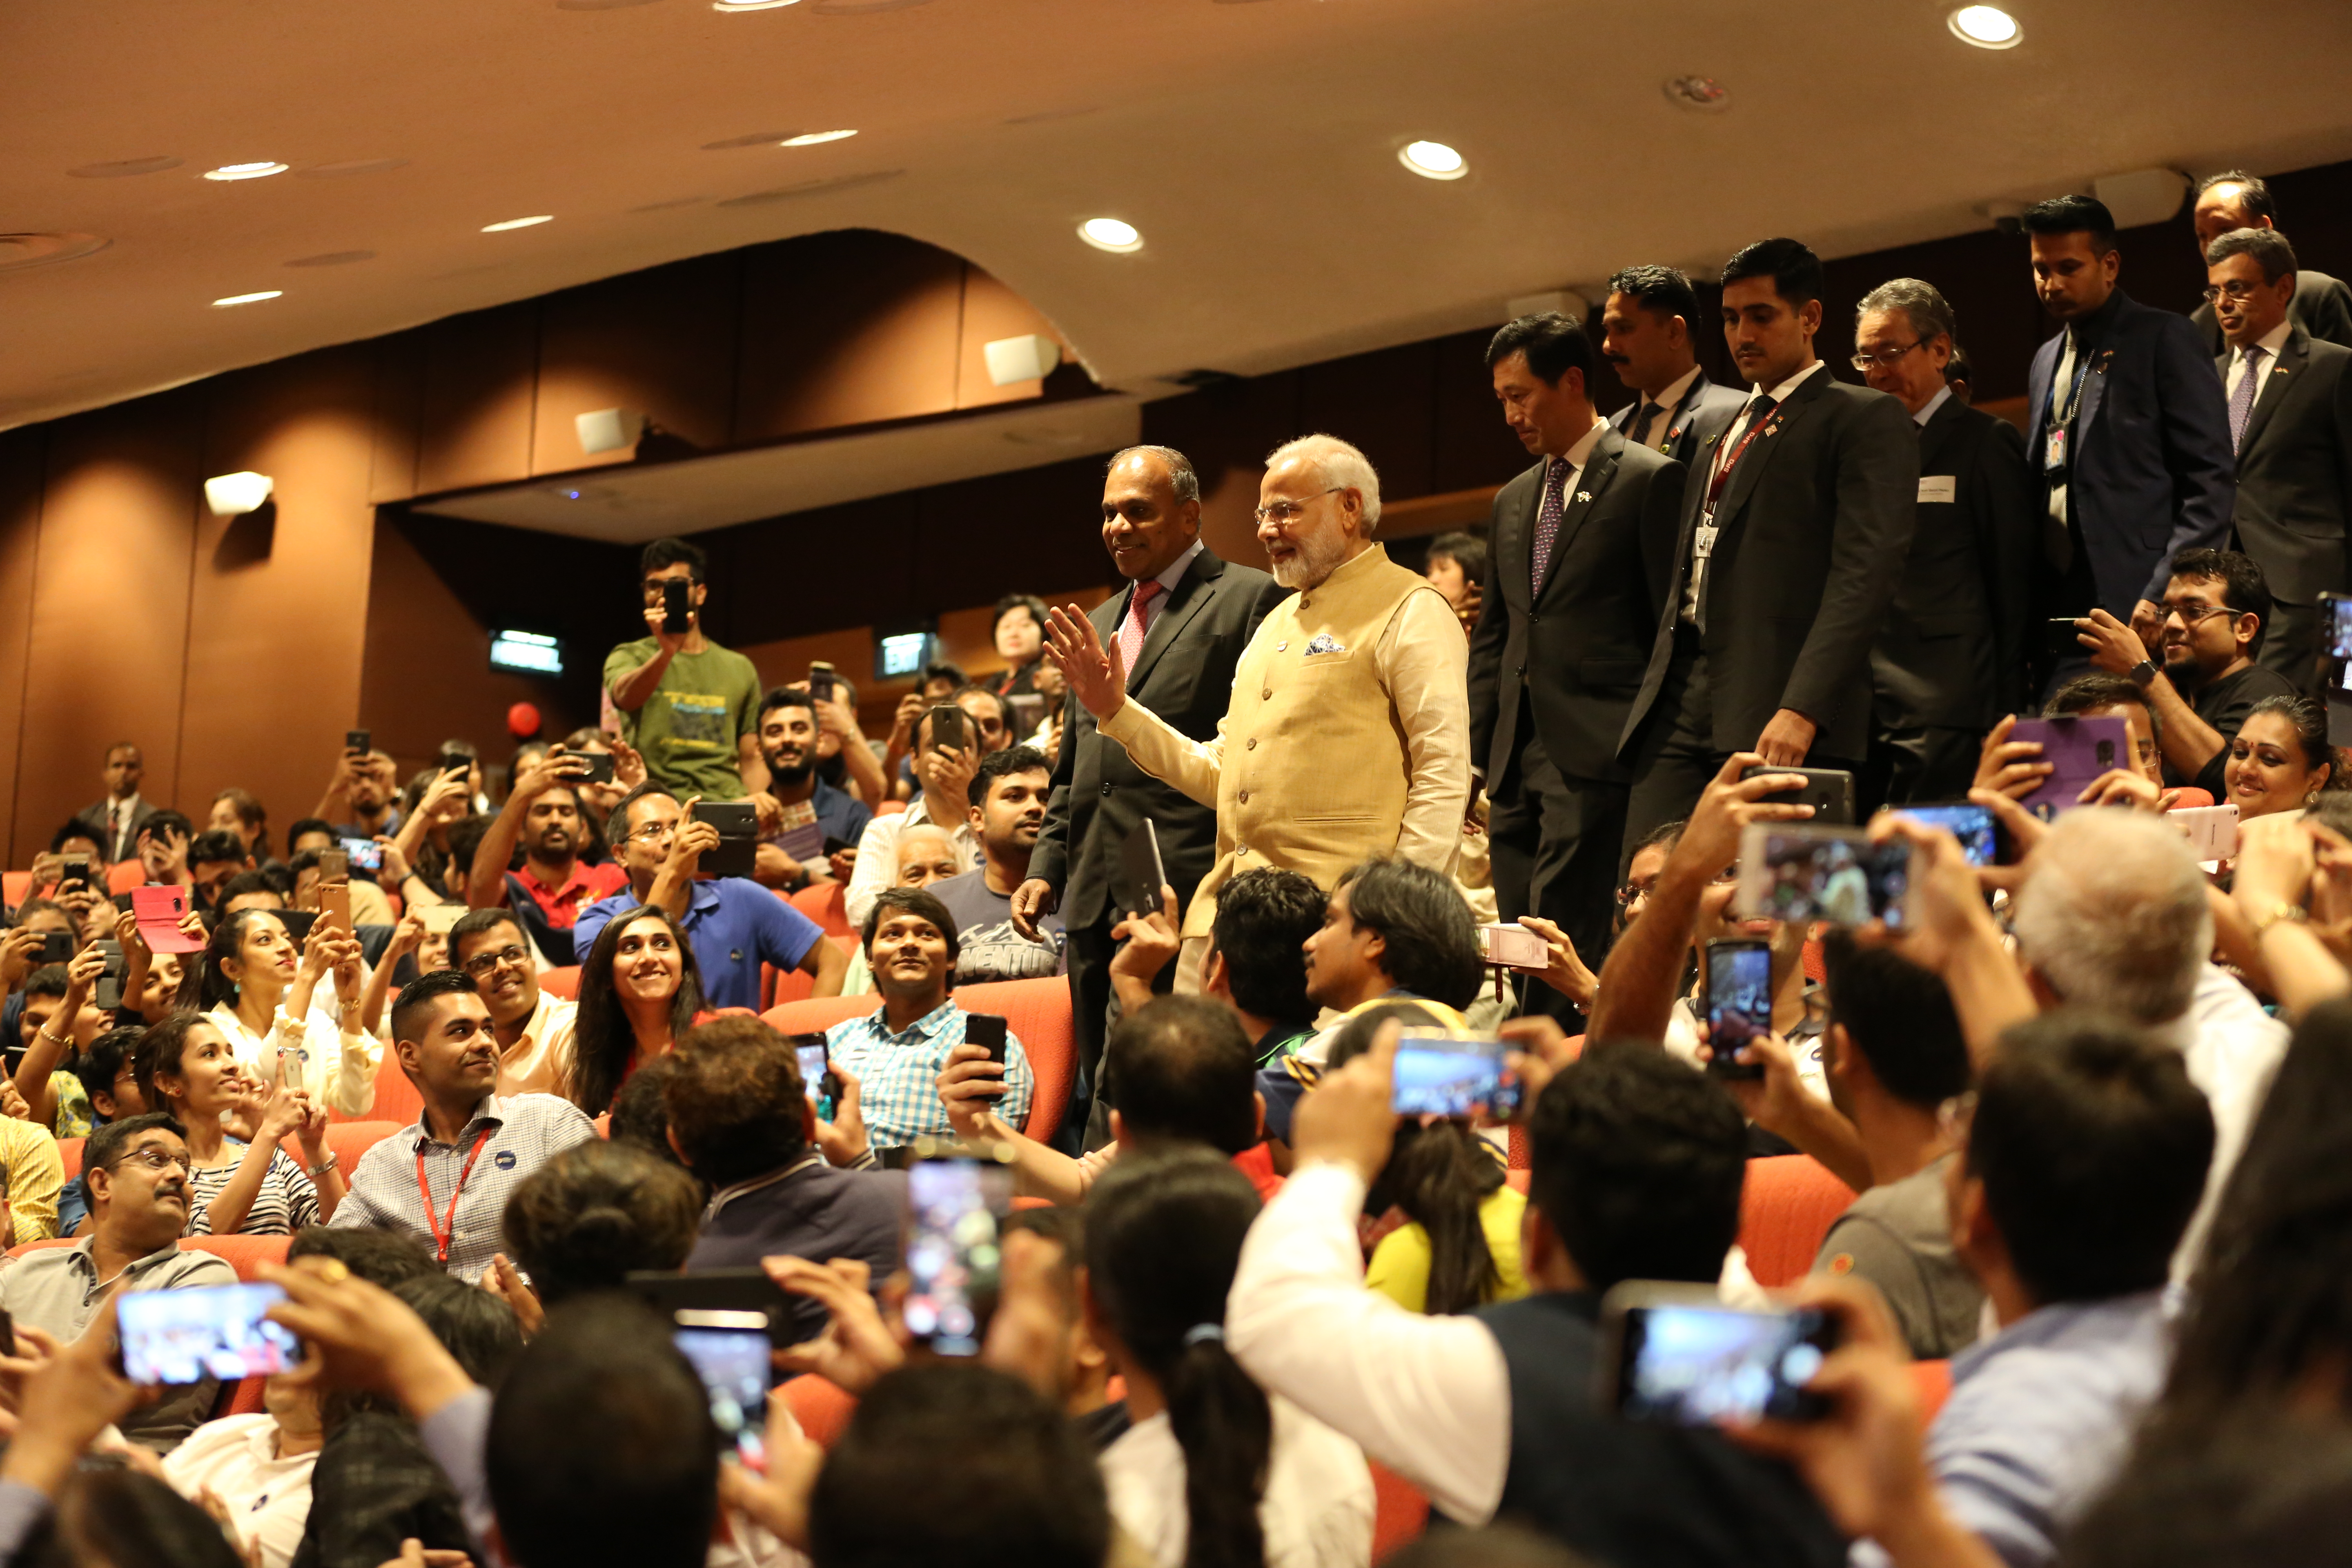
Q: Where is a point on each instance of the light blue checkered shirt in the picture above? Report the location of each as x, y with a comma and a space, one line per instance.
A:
897, 1075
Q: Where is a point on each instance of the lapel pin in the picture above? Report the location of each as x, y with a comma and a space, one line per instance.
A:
1583, 496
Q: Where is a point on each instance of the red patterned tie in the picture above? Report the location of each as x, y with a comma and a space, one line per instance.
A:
1138, 621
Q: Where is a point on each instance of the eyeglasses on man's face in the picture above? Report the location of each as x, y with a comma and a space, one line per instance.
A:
1887, 358
157, 1160
481, 964
1282, 512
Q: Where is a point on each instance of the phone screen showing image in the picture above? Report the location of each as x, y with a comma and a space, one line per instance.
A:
952, 1258
816, 1075
1738, 1000
731, 1359
1441, 1075
1699, 1365
186, 1336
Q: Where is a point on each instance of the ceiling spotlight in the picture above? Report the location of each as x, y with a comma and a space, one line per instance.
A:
1110, 234
814, 138
253, 298
1432, 159
234, 495
1986, 27
518, 223
263, 170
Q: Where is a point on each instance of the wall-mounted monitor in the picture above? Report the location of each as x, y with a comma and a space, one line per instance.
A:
525, 653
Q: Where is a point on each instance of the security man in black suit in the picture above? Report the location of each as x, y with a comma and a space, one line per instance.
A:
1649, 335
2289, 399
1950, 659
1573, 592
1182, 624
1797, 519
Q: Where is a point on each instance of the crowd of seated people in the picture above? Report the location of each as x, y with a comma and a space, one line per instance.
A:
2029, 1177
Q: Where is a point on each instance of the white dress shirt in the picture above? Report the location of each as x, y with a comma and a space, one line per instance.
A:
1317, 1511
267, 1499
338, 1068
1927, 409
2233, 1049
1703, 536
1669, 400
877, 856
2270, 343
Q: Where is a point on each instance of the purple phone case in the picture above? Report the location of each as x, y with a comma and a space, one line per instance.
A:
2082, 749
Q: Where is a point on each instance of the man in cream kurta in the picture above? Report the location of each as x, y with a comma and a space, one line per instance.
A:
1348, 733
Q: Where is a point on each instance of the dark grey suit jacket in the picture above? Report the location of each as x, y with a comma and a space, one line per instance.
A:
1184, 673
1577, 647
1702, 396
2294, 470
1952, 651
1813, 531
2322, 306
95, 817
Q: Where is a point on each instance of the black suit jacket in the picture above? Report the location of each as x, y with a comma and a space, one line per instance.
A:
1579, 646
2294, 470
1184, 673
1813, 531
1953, 648
2322, 307
1701, 397
96, 817
2149, 473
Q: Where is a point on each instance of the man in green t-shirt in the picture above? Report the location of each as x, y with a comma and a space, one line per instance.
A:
690, 707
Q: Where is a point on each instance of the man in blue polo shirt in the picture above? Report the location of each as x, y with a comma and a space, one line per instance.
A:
736, 925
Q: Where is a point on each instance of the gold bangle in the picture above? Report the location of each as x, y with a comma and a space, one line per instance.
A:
2293, 913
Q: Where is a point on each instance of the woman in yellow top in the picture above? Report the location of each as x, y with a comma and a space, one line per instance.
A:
1461, 1248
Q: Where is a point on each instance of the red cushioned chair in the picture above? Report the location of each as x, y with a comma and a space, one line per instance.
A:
822, 903
69, 1151
396, 1099
1038, 1014
890, 809
819, 1014
1399, 1512
1786, 1208
777, 986
16, 887
1933, 1380
125, 875
563, 982
821, 1406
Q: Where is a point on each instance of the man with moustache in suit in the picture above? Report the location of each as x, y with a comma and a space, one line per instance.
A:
1179, 626
1649, 331
2289, 396
1577, 547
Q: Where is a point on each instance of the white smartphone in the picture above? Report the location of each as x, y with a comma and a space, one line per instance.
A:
1513, 946
2213, 830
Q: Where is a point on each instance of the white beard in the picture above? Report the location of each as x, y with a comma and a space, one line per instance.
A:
1317, 557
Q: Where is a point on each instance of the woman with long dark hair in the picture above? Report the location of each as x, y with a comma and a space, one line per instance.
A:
237, 1186
1214, 1474
1461, 1248
639, 991
256, 983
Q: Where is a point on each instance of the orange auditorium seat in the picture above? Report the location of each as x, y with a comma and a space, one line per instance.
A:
69, 1151
821, 1406
1787, 1206
563, 982
818, 1013
125, 875
822, 903
246, 1254
396, 1099
16, 887
777, 986
890, 809
1038, 1014
1399, 1512
1933, 1380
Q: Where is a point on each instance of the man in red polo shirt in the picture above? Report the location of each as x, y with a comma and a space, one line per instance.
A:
543, 813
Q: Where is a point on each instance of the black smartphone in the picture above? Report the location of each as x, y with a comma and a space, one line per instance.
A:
7, 1333
730, 1353
1829, 791
1739, 1003
720, 1291
451, 762
297, 923
955, 1204
108, 993
2336, 611
57, 947
589, 767
821, 680
1795, 871
818, 1079
677, 605
738, 822
1135, 887
1675, 1354
75, 876
360, 740
949, 728
986, 1029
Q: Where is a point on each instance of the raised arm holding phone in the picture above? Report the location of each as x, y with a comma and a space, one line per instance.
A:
691, 704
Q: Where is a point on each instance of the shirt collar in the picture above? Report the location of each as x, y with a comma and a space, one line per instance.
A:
2090, 329
578, 878
2271, 341
1670, 398
1779, 394
85, 1252
1177, 568
928, 1025
2106, 1320
725, 1196
1943, 395
1577, 455
492, 1110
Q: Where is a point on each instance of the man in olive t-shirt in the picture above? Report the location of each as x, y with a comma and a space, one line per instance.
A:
689, 706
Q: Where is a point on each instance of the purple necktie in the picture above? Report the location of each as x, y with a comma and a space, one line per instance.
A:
2242, 402
1547, 516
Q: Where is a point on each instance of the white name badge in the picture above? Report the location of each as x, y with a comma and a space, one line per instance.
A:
1938, 488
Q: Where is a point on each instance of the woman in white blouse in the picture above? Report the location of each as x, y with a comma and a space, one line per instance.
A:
257, 986
1213, 1471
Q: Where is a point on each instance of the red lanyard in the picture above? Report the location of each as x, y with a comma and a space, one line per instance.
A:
442, 1233
1723, 474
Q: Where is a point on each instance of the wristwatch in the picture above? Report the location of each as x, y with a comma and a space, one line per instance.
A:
2144, 672
2293, 913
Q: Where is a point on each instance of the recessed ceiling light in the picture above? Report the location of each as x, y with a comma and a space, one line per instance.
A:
1986, 27
245, 171
1111, 233
122, 167
253, 298
1432, 159
749, 4
518, 223
814, 138
1703, 93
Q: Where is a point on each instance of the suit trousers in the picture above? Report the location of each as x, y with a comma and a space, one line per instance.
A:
2291, 642
1916, 764
1556, 842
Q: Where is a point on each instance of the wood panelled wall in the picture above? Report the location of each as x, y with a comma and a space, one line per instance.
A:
239, 651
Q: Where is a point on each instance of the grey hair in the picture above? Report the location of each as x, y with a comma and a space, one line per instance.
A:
1342, 465
1923, 303
2115, 917
2268, 246
1182, 478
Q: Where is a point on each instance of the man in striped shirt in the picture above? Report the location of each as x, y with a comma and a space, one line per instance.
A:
898, 1053
445, 1178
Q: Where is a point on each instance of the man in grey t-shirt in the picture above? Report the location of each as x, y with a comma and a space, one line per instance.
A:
1893, 1054
1008, 809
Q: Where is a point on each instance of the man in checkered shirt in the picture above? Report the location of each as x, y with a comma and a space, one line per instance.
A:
445, 1180
898, 1053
